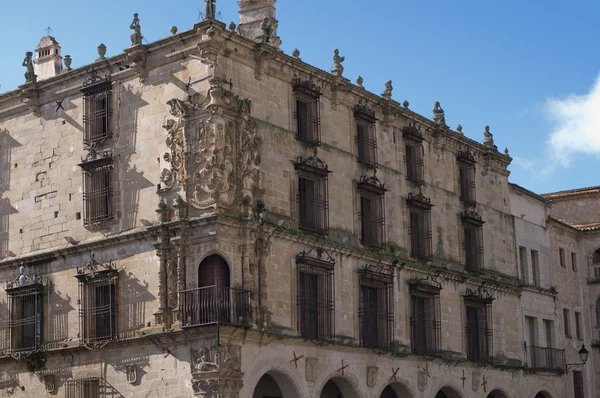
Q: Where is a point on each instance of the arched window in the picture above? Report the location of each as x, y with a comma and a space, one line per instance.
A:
213, 271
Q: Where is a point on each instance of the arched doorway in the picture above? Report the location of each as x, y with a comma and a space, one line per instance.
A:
338, 387
395, 390
497, 394
274, 384
213, 271
447, 392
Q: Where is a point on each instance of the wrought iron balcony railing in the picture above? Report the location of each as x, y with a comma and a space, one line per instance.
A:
214, 305
545, 358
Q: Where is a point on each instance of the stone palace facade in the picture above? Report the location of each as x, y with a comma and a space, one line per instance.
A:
207, 216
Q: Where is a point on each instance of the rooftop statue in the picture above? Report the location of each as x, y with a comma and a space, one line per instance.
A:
30, 76
387, 93
438, 114
267, 30
210, 9
338, 69
488, 138
136, 36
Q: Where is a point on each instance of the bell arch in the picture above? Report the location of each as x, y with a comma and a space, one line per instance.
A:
275, 384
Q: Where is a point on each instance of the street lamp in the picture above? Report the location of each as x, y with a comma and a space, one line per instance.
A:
583, 355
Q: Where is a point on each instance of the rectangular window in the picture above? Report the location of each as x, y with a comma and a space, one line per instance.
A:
420, 234
563, 261
467, 182
578, 326
315, 302
367, 143
523, 264
531, 330
473, 248
97, 190
549, 333
372, 219
313, 202
479, 331
425, 323
578, 391
574, 262
97, 307
97, 110
83, 388
307, 112
567, 322
375, 312
26, 313
535, 268
414, 163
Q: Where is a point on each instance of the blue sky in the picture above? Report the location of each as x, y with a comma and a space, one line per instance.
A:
526, 68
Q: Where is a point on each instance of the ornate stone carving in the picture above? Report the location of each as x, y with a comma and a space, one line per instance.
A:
488, 138
422, 380
476, 381
136, 36
49, 383
206, 388
372, 372
438, 114
338, 68
131, 371
210, 9
311, 369
387, 93
30, 76
208, 359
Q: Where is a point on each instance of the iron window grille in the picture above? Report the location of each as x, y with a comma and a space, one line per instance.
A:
366, 139
578, 389
372, 211
420, 226
375, 310
315, 300
425, 316
308, 127
25, 302
97, 109
466, 179
97, 303
313, 201
473, 241
414, 154
90, 387
479, 328
97, 188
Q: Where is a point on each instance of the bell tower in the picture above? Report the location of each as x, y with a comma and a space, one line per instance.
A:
252, 15
48, 61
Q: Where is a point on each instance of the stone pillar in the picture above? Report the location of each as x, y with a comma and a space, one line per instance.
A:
252, 14
161, 316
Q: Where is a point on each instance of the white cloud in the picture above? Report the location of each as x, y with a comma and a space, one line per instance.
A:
575, 125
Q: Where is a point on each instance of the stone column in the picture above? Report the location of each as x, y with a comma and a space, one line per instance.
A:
163, 252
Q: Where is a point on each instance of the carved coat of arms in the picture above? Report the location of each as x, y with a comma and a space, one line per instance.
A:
311, 368
372, 372
422, 380
476, 381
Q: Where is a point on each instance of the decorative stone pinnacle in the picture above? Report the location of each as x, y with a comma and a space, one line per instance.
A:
232, 26
101, 52
67, 60
387, 93
459, 129
173, 30
296, 54
405, 104
338, 69
359, 82
210, 9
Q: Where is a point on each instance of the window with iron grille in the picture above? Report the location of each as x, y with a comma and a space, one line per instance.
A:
466, 180
307, 112
84, 388
313, 201
97, 302
479, 329
375, 309
578, 390
97, 110
97, 189
419, 208
372, 211
365, 135
473, 241
316, 305
26, 317
425, 317
414, 154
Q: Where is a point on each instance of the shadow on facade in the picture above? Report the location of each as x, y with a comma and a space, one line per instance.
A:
4, 333
137, 295
141, 362
132, 180
7, 143
59, 315
59, 112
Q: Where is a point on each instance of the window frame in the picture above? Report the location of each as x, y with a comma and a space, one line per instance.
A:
419, 208
95, 89
474, 247
427, 290
366, 135
467, 177
307, 93
578, 326
313, 209
574, 266
483, 353
90, 387
379, 279
567, 323
372, 225
562, 257
98, 190
578, 384
32, 294
414, 154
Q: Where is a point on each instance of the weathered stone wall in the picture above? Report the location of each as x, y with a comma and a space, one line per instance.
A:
578, 210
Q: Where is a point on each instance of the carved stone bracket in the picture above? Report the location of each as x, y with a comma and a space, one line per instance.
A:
30, 94
136, 56
419, 200
216, 371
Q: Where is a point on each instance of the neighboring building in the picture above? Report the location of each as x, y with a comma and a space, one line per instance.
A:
207, 216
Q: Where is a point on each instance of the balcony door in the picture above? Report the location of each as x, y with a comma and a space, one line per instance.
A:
213, 290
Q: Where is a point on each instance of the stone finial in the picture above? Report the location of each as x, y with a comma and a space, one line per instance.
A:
488, 138
438, 114
387, 93
30, 76
506, 151
405, 104
210, 9
136, 36
67, 60
296, 54
459, 129
173, 30
101, 52
359, 82
232, 26
338, 69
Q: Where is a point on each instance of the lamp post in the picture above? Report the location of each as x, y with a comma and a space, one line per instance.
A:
583, 355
